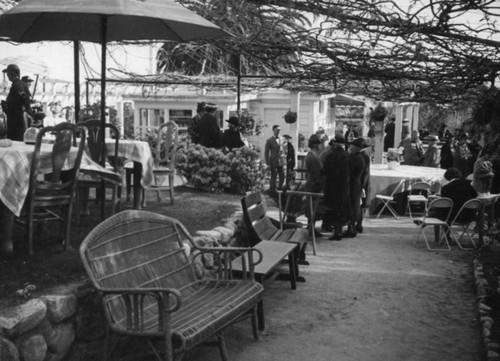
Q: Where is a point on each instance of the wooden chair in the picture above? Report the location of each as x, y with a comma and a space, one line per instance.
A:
437, 216
260, 227
95, 135
138, 262
164, 163
52, 191
467, 215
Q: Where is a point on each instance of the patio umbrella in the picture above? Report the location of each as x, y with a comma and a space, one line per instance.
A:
103, 21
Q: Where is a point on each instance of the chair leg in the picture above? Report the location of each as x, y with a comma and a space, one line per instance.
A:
255, 323
171, 185
128, 183
442, 235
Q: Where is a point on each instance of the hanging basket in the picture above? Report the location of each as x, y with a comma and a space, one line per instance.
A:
290, 117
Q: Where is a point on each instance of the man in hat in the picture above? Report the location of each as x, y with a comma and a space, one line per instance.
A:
210, 133
432, 157
359, 175
290, 160
231, 138
273, 154
389, 130
336, 187
413, 151
194, 126
17, 102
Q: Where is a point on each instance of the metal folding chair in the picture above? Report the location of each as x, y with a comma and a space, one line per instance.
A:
388, 199
465, 217
440, 207
418, 194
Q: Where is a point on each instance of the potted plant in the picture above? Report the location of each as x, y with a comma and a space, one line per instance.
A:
393, 157
378, 114
290, 117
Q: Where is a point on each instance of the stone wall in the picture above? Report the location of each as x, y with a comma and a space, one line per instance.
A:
67, 323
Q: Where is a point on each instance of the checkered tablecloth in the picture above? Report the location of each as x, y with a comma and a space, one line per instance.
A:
137, 151
15, 164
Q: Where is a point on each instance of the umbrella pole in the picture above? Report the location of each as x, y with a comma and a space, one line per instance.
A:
104, 26
76, 55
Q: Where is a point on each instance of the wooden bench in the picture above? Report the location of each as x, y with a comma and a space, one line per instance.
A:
260, 227
137, 261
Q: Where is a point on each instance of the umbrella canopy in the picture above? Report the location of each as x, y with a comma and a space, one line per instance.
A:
38, 20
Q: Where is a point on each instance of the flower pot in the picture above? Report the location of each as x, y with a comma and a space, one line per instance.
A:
392, 165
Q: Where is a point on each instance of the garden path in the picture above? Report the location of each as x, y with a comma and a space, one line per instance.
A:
376, 297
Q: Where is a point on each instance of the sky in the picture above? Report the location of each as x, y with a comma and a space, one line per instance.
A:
55, 60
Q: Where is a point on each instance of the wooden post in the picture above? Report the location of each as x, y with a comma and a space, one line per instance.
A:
293, 129
399, 125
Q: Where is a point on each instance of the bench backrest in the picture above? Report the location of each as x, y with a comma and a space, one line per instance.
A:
258, 225
137, 249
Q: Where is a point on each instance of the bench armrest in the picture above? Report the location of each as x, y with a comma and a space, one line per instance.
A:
167, 300
223, 257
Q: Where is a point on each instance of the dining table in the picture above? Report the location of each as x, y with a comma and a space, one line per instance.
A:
15, 167
384, 180
139, 152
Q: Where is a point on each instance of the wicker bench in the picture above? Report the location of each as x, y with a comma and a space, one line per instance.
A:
149, 287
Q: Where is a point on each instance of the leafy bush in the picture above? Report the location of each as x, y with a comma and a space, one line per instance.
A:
213, 170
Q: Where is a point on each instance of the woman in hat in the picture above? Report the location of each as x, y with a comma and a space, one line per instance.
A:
336, 187
432, 155
231, 138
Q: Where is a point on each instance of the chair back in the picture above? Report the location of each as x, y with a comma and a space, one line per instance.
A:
440, 208
137, 249
95, 142
420, 188
258, 225
166, 146
468, 212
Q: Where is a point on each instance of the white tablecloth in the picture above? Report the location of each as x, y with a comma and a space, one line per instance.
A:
383, 180
137, 151
15, 164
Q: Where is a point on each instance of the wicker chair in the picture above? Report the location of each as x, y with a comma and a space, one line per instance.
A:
137, 260
52, 198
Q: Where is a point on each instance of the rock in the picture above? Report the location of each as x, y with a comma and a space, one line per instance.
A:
59, 340
17, 320
225, 235
486, 332
492, 355
32, 348
483, 307
492, 346
8, 351
59, 307
209, 237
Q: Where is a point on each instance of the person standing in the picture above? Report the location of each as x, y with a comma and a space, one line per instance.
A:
290, 160
447, 153
432, 155
390, 130
194, 126
413, 151
349, 136
462, 159
273, 151
17, 102
336, 187
210, 134
231, 138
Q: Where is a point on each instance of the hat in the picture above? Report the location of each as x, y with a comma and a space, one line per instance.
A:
360, 143
432, 138
234, 121
210, 107
26, 79
313, 140
12, 68
287, 136
200, 106
338, 139
484, 170
405, 120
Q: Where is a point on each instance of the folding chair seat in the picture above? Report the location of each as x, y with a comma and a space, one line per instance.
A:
437, 215
388, 199
465, 217
418, 195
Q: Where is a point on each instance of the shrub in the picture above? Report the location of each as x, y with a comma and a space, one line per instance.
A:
213, 170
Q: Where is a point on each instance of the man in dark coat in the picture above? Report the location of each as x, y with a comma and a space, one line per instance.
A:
459, 190
359, 175
336, 188
209, 128
18, 101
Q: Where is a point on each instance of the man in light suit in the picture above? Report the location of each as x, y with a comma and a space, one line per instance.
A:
273, 152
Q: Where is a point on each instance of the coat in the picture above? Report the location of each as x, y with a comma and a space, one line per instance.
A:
432, 157
336, 188
210, 135
272, 152
357, 169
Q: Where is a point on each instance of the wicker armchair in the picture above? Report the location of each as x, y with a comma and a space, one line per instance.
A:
149, 287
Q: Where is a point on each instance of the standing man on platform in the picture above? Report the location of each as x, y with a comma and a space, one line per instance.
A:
17, 102
273, 155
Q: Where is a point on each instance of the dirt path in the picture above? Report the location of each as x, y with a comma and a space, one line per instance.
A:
375, 297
